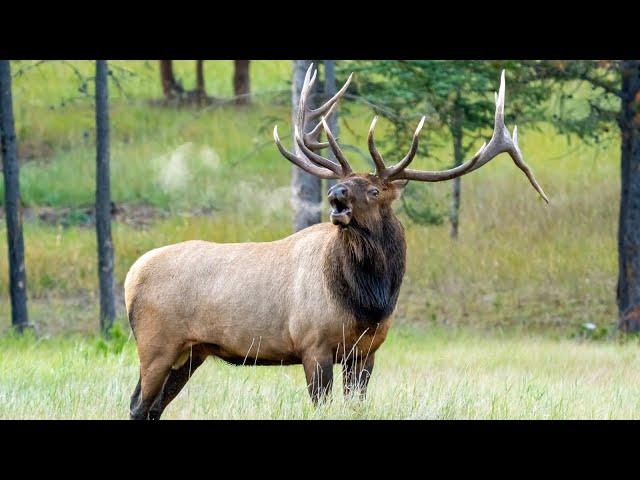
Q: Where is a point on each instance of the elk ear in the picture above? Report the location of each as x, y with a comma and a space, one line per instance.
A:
399, 186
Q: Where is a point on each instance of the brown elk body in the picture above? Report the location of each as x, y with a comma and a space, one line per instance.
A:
321, 296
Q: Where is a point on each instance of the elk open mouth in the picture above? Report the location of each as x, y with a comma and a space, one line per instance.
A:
340, 212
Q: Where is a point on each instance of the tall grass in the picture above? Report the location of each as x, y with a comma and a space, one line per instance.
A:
418, 375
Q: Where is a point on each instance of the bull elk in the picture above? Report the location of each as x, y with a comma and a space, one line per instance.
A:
321, 296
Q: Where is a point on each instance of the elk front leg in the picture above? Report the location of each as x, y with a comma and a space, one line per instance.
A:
356, 374
319, 373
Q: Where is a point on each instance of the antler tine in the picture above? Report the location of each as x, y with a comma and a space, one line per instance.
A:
404, 163
309, 81
315, 133
500, 142
311, 138
301, 162
332, 101
499, 97
346, 168
314, 157
375, 155
517, 158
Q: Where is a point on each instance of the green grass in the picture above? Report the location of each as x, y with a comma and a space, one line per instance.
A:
419, 374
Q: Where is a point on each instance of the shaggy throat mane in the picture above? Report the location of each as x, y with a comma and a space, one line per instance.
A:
364, 269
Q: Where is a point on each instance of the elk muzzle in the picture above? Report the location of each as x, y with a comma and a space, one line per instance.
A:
339, 200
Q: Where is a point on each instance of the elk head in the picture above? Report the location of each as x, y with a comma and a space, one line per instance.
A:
364, 198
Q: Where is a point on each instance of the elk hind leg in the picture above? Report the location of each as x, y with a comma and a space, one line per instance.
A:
135, 396
177, 379
153, 374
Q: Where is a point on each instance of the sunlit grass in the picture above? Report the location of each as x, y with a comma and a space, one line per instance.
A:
418, 375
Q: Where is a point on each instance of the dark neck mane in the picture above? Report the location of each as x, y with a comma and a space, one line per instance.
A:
364, 268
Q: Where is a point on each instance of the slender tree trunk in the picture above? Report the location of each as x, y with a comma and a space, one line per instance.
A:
201, 91
241, 83
306, 187
330, 91
15, 241
458, 156
629, 221
103, 201
169, 85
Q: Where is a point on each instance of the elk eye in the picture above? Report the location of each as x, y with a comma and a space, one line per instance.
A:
374, 192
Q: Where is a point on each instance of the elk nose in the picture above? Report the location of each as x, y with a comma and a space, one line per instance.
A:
338, 192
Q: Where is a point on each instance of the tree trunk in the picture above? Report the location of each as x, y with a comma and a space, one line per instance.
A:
306, 187
629, 221
15, 241
169, 85
241, 84
458, 156
103, 201
332, 121
201, 91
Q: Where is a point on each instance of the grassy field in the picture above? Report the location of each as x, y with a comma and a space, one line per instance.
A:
486, 327
419, 374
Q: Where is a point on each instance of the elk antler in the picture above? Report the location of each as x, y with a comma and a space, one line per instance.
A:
500, 142
308, 143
